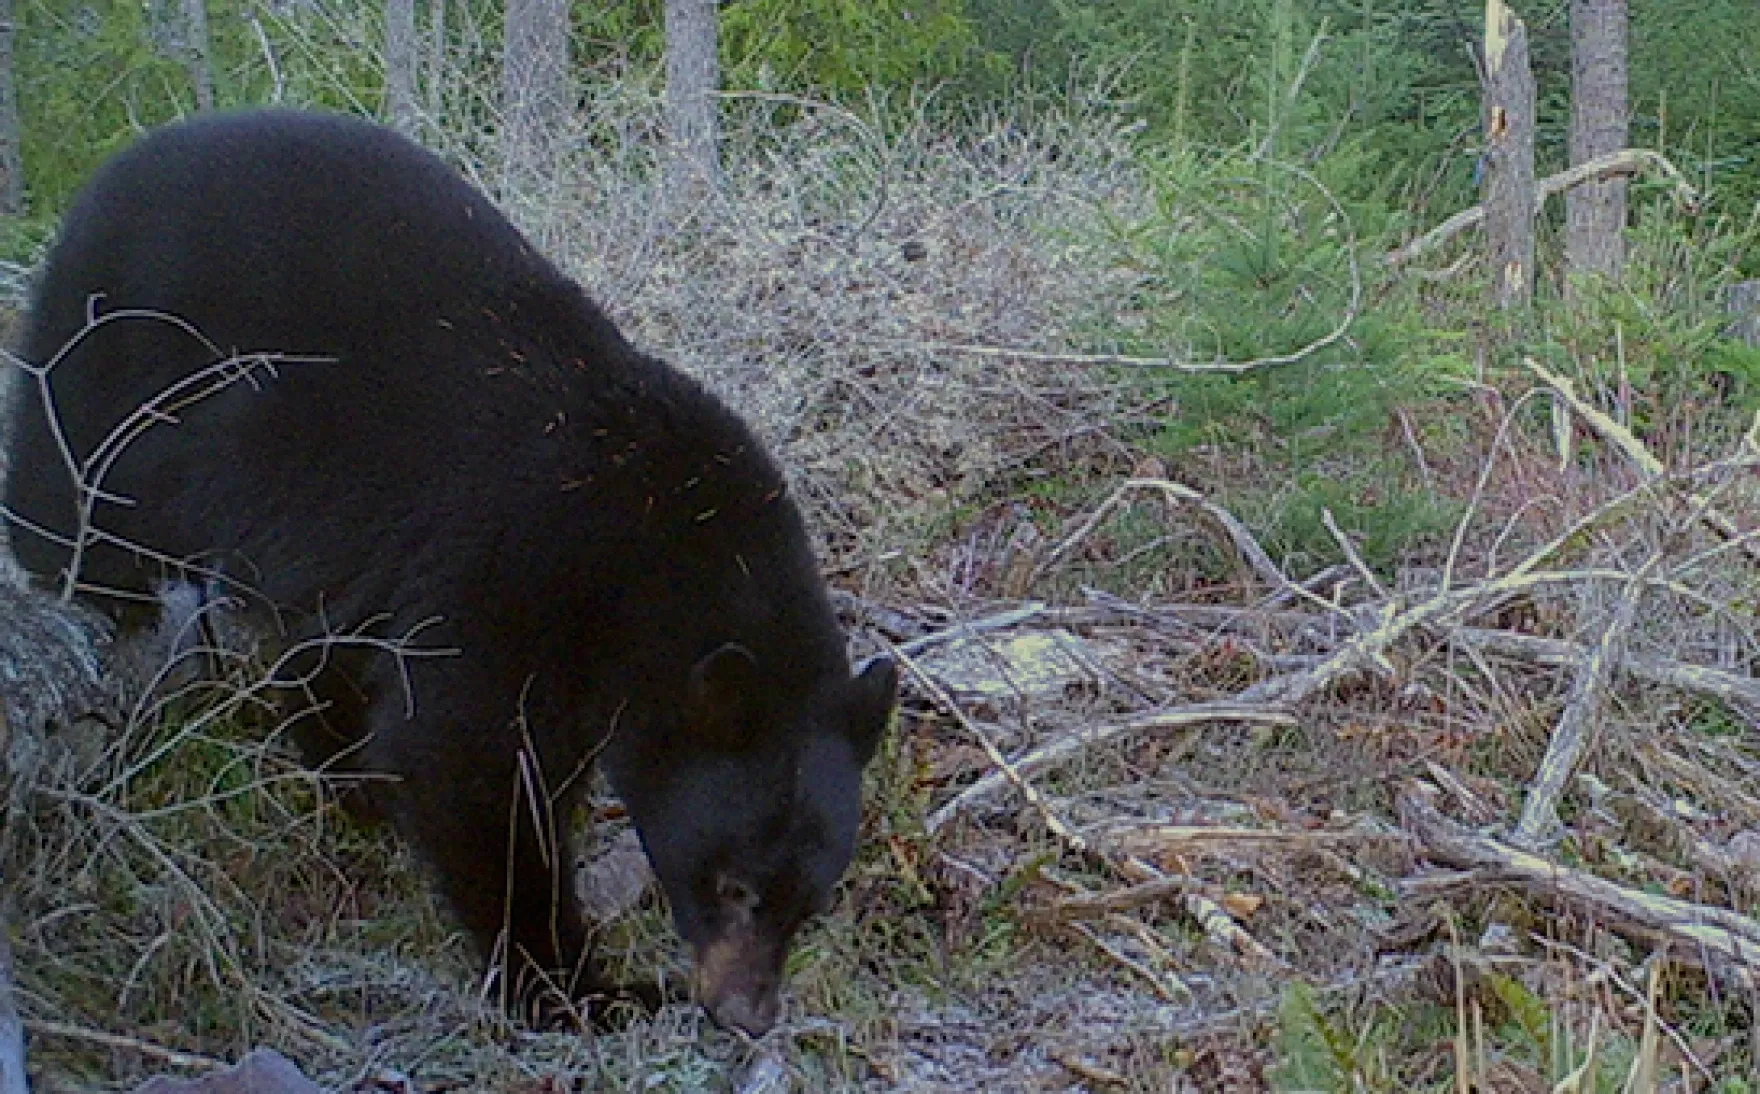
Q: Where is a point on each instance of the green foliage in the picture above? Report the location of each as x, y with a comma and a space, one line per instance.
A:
1308, 1046
1396, 74
824, 47
1529, 1014
1695, 89
94, 74
1242, 259
1654, 346
842, 47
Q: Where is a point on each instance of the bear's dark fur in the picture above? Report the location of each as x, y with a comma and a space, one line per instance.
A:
466, 449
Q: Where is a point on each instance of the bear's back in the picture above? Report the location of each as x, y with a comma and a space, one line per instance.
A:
455, 412
248, 220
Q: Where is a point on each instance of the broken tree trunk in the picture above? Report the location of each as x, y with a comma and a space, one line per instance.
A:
1509, 157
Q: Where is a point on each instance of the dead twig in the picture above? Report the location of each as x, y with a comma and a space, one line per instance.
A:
193, 1061
1621, 437
1726, 687
939, 696
1628, 161
1066, 747
1179, 496
1539, 826
1000, 621
1168, 840
1213, 917
1368, 650
1351, 554
1085, 904
1727, 942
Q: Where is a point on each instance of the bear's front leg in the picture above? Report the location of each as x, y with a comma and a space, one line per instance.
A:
501, 858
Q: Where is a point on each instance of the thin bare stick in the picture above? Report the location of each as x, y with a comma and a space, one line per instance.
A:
1074, 744
939, 695
1013, 617
68, 1031
1605, 968
1178, 496
1210, 915
1091, 905
1351, 555
1628, 161
1728, 942
1367, 650
1610, 430
1539, 826
1143, 972
1165, 841
1224, 931
1726, 687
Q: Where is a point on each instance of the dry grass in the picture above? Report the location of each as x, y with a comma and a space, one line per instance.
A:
1139, 921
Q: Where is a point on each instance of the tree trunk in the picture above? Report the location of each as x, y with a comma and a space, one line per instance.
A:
436, 59
534, 80
11, 133
693, 75
1595, 212
1509, 157
196, 52
400, 65
1742, 300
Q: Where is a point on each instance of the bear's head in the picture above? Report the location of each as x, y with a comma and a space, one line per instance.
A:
754, 819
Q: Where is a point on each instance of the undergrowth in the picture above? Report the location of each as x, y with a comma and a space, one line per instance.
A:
960, 341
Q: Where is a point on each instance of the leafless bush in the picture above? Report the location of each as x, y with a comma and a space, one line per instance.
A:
825, 291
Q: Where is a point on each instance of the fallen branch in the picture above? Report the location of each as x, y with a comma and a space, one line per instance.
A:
1169, 840
1215, 920
1066, 747
1000, 621
1006, 769
1180, 496
148, 1049
1629, 161
1367, 650
1726, 687
1539, 826
1727, 942
1622, 438
1175, 992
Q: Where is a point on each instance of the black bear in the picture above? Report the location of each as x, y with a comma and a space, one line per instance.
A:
296, 354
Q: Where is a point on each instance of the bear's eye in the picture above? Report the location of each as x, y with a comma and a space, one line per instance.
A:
736, 893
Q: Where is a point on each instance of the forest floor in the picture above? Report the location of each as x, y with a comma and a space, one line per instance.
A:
1171, 805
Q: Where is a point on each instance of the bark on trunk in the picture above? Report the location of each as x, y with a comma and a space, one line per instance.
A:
400, 65
534, 80
693, 75
436, 58
1595, 212
196, 52
1509, 157
11, 160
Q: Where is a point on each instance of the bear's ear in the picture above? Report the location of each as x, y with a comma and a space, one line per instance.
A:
872, 696
719, 696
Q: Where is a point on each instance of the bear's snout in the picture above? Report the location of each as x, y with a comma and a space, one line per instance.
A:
739, 980
751, 1014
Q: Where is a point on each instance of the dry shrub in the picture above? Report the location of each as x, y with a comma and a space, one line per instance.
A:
821, 293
